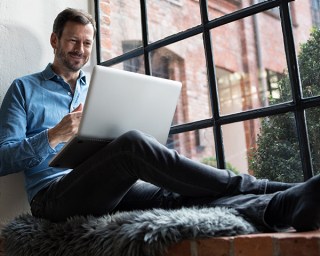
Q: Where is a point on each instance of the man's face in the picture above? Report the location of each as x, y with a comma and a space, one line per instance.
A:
73, 49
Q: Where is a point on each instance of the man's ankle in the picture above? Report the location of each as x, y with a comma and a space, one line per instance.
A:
274, 186
298, 207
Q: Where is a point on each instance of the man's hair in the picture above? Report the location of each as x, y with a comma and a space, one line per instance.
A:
73, 15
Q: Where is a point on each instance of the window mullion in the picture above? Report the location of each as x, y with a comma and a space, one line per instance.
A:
293, 70
97, 19
145, 36
213, 89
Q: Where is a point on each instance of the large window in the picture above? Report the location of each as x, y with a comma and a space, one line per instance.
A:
246, 103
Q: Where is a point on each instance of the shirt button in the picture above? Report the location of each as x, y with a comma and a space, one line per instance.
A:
69, 93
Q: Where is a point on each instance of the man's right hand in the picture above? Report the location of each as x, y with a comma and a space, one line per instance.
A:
66, 128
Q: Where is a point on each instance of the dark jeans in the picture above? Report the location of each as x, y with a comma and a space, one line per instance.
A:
136, 172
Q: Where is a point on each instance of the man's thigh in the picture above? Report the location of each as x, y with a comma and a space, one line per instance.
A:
141, 196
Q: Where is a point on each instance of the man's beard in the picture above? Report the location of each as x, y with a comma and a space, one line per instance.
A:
63, 57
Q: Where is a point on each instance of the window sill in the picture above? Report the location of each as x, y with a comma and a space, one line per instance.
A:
267, 244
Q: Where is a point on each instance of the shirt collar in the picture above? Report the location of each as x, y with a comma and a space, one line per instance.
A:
49, 74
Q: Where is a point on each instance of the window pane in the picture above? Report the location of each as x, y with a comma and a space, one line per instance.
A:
249, 61
197, 145
266, 147
221, 7
133, 65
185, 61
168, 17
307, 42
235, 140
120, 22
313, 117
315, 12
218, 8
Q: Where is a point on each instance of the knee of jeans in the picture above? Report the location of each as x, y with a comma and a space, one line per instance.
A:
133, 134
135, 137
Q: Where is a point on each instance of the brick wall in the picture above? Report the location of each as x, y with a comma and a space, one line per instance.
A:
273, 244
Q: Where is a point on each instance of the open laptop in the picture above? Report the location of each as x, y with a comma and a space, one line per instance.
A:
119, 101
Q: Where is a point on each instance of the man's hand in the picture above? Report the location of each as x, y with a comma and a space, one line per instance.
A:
66, 128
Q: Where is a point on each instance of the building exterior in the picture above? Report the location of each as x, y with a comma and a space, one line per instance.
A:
249, 58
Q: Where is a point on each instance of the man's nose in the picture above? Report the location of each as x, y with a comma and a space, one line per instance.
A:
79, 47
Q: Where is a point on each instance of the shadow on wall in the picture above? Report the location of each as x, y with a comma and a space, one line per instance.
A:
20, 52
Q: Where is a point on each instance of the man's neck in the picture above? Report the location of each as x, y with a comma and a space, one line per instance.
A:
69, 77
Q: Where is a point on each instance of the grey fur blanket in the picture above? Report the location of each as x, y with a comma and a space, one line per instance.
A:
127, 233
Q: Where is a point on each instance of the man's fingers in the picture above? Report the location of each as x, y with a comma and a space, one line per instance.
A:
79, 108
77, 112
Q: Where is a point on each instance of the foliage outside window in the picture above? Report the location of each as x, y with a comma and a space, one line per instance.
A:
277, 138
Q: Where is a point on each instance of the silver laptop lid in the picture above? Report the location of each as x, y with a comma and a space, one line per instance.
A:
119, 101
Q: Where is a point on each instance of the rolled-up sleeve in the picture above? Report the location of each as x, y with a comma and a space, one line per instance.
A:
17, 150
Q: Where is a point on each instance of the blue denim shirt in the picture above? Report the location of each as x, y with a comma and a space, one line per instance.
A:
32, 105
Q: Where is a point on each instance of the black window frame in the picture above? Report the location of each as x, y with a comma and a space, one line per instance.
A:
298, 105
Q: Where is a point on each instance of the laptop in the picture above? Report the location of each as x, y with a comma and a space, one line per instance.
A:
119, 101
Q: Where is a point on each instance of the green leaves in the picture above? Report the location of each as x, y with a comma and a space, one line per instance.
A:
277, 156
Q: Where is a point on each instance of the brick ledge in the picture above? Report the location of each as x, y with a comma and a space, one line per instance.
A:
267, 244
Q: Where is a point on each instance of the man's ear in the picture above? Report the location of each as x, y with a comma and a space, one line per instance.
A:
53, 41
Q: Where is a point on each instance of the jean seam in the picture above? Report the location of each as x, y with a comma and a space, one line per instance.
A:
263, 186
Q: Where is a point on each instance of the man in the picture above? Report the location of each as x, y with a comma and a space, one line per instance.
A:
42, 111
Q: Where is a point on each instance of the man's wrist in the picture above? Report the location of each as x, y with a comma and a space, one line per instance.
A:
52, 139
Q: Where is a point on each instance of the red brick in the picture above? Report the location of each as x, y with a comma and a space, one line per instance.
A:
215, 247
182, 248
253, 246
105, 8
202, 247
298, 245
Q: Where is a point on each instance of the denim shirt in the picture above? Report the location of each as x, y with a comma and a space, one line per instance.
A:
31, 106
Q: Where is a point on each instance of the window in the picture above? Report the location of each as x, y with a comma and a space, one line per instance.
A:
273, 11
273, 79
238, 63
315, 12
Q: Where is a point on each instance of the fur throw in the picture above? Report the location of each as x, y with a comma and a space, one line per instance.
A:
125, 233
